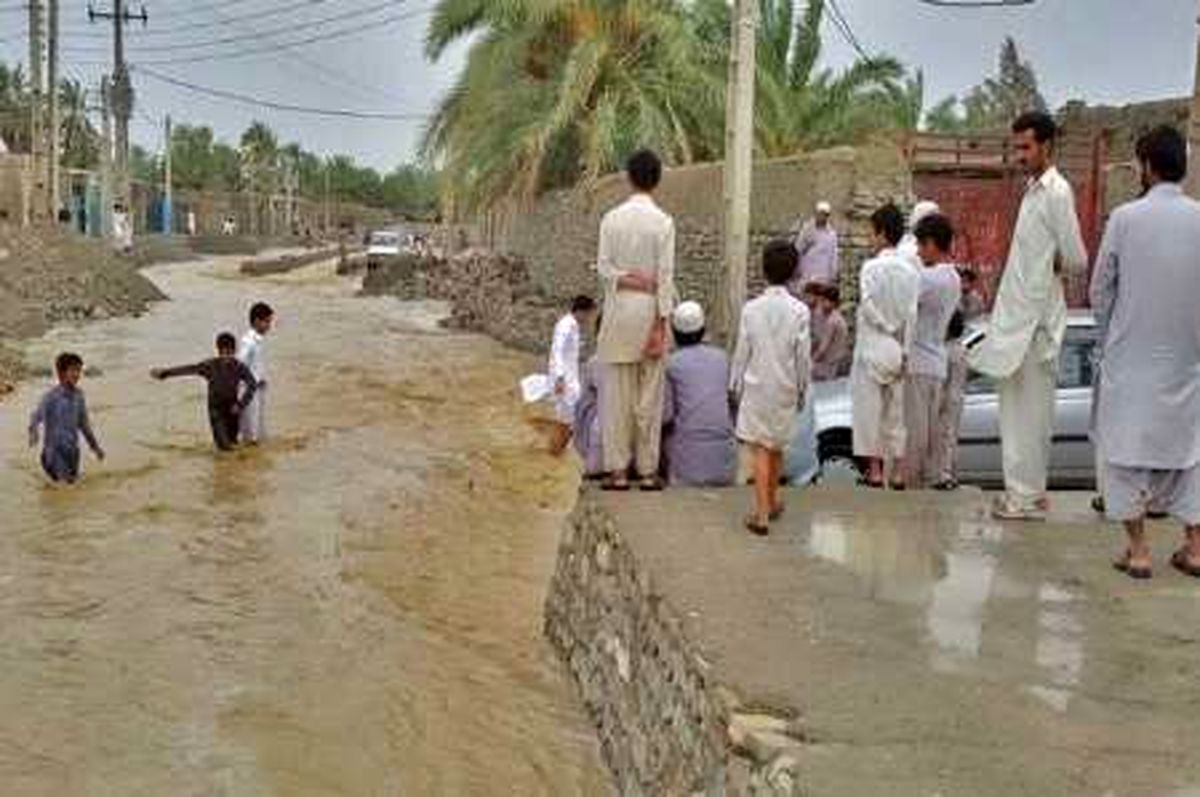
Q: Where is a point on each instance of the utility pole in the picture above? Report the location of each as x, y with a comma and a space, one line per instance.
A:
121, 102
168, 209
326, 170
37, 126
739, 161
106, 159
54, 197
1192, 183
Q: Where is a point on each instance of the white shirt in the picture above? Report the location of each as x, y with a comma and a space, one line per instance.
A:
940, 292
770, 369
887, 313
1030, 310
637, 235
252, 352
564, 352
818, 251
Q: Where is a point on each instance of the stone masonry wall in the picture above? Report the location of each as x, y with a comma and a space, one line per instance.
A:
666, 726
557, 236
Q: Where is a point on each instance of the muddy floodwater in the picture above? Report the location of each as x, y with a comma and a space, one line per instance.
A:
353, 609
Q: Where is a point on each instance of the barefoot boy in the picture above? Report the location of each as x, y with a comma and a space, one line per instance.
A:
564, 369
252, 352
63, 413
770, 378
224, 373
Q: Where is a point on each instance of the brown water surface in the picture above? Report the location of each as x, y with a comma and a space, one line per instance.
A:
354, 608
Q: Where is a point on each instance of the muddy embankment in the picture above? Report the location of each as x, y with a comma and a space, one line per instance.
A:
488, 293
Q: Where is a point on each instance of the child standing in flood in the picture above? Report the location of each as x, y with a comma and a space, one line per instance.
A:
225, 375
62, 415
252, 352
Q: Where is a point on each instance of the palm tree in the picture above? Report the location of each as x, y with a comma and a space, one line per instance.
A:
798, 106
557, 91
80, 142
14, 108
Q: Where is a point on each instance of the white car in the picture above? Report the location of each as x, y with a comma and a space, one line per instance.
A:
382, 245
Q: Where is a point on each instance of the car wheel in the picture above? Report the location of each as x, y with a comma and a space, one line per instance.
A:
839, 468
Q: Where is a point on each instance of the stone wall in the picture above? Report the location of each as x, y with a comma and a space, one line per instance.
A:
557, 236
665, 725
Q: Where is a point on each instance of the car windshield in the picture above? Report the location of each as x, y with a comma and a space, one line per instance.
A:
1075, 367
385, 239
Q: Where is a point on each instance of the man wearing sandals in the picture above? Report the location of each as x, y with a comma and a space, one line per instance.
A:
1144, 291
636, 264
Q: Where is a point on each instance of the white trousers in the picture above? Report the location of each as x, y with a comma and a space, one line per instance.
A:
922, 411
252, 426
877, 413
631, 416
1026, 427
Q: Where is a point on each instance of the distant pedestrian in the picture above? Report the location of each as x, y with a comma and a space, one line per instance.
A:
970, 309
122, 229
1144, 291
564, 369
636, 264
698, 443
908, 244
226, 375
831, 347
937, 302
817, 247
887, 320
62, 415
1029, 320
252, 352
770, 378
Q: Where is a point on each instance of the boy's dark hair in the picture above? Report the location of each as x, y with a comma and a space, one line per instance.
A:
583, 304
779, 261
645, 170
968, 274
1041, 123
1164, 150
937, 228
226, 342
261, 311
832, 293
888, 221
67, 360
685, 339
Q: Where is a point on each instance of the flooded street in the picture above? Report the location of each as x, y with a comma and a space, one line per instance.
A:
353, 609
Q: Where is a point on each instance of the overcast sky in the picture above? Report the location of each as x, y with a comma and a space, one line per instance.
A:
1110, 51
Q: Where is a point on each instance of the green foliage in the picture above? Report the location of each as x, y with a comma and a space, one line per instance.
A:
992, 105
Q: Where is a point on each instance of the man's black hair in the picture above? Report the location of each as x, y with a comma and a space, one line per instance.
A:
832, 293
888, 221
1041, 123
779, 261
968, 274
685, 339
261, 311
645, 170
67, 359
226, 342
583, 304
937, 228
1164, 150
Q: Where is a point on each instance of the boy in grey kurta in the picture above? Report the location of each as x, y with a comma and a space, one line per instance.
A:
769, 377
636, 264
62, 414
1144, 291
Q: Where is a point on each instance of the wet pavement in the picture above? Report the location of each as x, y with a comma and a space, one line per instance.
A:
352, 609
933, 651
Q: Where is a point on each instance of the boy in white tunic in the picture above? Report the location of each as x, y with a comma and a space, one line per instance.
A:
887, 321
1144, 291
252, 352
769, 377
940, 291
564, 369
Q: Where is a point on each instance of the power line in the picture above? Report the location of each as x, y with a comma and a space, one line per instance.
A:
975, 3
843, 27
190, 27
247, 99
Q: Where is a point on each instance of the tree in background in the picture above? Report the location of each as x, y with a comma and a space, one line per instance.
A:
80, 139
992, 105
14, 108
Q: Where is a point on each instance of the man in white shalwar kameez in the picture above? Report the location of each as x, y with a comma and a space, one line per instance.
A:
252, 352
1029, 319
887, 320
636, 264
1145, 292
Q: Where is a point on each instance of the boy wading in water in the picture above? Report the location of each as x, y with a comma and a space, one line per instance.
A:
252, 352
769, 378
224, 373
63, 414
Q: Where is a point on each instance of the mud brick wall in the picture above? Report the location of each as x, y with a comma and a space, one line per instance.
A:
557, 236
665, 725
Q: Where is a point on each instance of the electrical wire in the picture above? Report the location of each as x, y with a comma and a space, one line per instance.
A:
975, 3
247, 99
175, 29
843, 27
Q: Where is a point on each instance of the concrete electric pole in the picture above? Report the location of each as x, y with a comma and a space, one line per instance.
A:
37, 121
168, 208
54, 132
739, 161
121, 102
106, 159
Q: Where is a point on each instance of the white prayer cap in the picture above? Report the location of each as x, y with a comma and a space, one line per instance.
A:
688, 318
920, 210
824, 207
